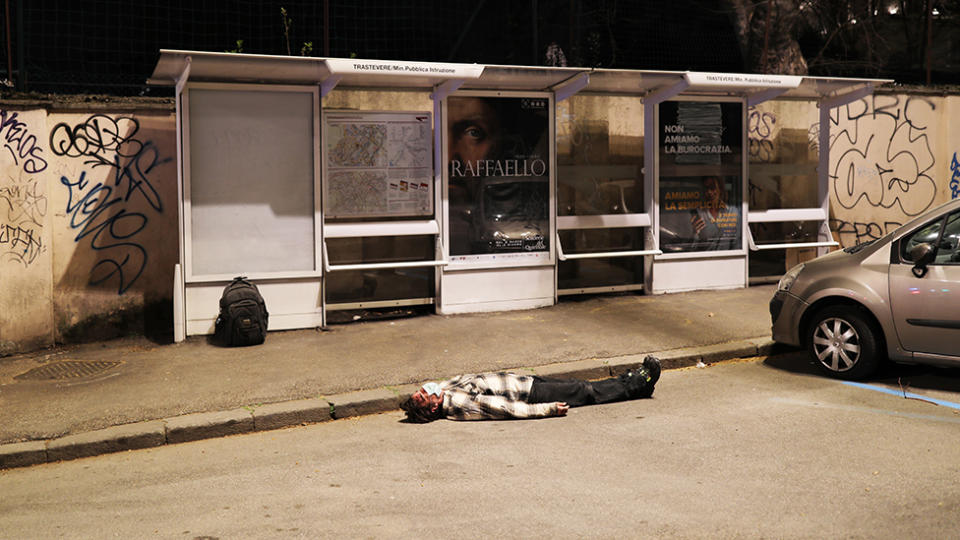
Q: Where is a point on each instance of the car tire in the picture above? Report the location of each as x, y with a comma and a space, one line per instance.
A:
843, 343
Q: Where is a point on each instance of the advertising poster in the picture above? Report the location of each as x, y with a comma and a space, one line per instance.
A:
378, 165
499, 178
701, 176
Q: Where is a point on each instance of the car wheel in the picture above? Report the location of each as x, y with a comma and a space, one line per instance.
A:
843, 343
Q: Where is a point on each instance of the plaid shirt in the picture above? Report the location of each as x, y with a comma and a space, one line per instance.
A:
488, 396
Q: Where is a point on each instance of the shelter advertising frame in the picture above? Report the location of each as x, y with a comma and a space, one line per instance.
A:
489, 198
246, 213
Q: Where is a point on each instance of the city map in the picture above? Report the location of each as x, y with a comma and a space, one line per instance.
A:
378, 165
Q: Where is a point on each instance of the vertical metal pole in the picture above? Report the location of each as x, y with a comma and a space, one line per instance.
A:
651, 172
536, 53
650, 135
929, 38
21, 65
6, 19
823, 175
326, 28
823, 169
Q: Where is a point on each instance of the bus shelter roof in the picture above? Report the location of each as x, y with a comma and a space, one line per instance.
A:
176, 66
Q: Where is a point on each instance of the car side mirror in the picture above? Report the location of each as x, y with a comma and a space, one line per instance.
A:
922, 255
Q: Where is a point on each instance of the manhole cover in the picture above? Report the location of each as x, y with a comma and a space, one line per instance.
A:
66, 370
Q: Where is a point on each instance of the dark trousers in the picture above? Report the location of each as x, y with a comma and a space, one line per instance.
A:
577, 393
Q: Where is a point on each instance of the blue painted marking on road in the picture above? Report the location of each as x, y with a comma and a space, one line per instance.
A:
898, 393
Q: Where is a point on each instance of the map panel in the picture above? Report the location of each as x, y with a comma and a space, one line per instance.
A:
378, 164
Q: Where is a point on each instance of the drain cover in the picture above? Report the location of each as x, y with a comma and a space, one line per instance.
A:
66, 370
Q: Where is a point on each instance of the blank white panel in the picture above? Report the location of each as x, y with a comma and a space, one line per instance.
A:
291, 304
497, 290
251, 181
676, 275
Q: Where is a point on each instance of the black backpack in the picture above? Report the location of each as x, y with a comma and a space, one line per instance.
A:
243, 315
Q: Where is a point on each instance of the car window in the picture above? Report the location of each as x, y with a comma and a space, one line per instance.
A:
925, 235
948, 249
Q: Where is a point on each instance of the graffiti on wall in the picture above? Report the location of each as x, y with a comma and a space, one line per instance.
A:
102, 141
23, 204
882, 162
955, 177
21, 144
759, 131
110, 214
851, 233
20, 232
882, 154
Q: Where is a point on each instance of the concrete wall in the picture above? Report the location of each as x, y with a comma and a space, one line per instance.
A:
88, 224
890, 160
88, 199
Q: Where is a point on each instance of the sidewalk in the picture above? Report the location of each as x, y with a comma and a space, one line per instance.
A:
131, 393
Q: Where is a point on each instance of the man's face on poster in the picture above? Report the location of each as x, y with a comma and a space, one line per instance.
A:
714, 192
474, 129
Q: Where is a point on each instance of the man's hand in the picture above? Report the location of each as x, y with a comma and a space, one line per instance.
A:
698, 223
562, 408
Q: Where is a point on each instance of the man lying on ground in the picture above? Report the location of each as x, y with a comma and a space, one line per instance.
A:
502, 396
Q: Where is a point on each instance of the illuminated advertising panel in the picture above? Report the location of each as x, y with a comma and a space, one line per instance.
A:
701, 176
499, 179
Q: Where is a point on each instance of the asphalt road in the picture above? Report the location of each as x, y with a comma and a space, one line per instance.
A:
748, 449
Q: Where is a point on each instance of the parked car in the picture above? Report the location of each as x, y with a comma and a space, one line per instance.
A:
513, 215
894, 298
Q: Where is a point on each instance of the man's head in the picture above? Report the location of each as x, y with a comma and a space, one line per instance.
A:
715, 193
424, 405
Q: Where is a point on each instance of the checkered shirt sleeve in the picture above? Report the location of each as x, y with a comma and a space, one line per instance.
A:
492, 396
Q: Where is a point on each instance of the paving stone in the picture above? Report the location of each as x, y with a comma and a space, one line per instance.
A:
192, 427
679, 358
726, 351
23, 454
105, 441
290, 413
623, 364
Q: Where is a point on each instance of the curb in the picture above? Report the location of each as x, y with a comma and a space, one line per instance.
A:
206, 425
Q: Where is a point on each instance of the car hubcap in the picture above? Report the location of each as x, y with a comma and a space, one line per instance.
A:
836, 344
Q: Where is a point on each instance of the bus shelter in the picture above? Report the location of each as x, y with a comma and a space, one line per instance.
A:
339, 184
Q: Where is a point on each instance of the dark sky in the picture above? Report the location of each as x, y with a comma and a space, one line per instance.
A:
111, 45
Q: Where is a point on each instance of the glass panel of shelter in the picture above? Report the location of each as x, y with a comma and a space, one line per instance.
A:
700, 176
600, 172
784, 155
374, 291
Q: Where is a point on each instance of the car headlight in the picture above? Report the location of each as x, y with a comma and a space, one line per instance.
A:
789, 278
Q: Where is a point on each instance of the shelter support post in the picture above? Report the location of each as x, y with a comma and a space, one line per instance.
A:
823, 169
570, 87
328, 84
650, 173
179, 292
440, 92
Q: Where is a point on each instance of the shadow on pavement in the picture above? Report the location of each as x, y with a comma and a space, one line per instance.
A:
918, 377
890, 374
792, 360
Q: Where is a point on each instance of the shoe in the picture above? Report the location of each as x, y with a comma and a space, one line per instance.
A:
652, 365
643, 379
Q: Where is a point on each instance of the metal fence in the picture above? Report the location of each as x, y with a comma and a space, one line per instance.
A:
111, 46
